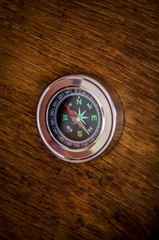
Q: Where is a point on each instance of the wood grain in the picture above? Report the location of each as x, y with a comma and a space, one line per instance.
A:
112, 197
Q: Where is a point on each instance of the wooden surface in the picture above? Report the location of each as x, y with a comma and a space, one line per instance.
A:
114, 197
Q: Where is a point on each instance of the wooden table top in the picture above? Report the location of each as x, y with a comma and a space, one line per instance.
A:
115, 196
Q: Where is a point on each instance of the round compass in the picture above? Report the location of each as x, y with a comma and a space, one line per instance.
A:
78, 118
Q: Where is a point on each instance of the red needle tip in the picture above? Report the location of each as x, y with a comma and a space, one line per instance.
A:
70, 111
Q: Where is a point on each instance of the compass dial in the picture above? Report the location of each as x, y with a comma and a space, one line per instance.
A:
74, 118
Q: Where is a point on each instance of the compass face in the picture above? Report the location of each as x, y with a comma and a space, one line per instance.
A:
74, 118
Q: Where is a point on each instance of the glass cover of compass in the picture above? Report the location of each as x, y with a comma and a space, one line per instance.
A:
79, 118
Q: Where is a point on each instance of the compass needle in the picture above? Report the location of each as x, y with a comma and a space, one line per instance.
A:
83, 127
70, 111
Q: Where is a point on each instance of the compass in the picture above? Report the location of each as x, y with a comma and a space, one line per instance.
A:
78, 118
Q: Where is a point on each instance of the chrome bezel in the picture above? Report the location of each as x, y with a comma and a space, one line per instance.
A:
111, 111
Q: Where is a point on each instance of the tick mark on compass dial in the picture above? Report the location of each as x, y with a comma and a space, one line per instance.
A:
74, 118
